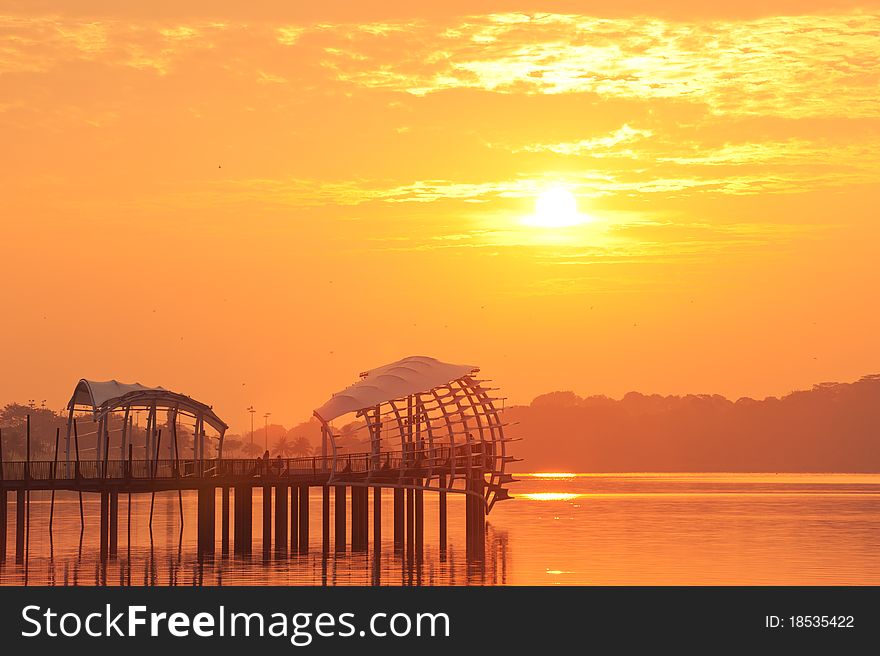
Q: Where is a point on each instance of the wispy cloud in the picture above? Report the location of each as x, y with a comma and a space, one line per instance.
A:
822, 65
338, 96
602, 146
40, 43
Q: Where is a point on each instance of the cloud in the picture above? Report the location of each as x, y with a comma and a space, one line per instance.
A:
289, 35
604, 146
791, 66
788, 66
817, 153
40, 43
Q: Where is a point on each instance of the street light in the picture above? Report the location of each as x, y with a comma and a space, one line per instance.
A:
266, 417
252, 411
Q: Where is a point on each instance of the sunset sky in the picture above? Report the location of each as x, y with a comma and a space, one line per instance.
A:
251, 204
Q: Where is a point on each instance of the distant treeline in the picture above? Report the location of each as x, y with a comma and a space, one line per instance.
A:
834, 427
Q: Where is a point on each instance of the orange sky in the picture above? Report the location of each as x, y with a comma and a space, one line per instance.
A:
252, 204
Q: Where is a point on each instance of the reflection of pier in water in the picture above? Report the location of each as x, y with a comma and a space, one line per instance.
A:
450, 441
168, 561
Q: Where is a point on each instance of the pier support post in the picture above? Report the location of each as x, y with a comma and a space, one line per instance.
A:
355, 518
339, 517
377, 519
398, 519
224, 521
410, 523
267, 519
360, 535
114, 522
281, 518
105, 526
325, 519
248, 519
365, 518
200, 521
243, 518
210, 519
442, 518
206, 522
19, 525
2, 526
304, 519
420, 521
475, 522
469, 524
294, 520
236, 521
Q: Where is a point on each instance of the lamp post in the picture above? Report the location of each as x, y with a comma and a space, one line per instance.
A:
266, 418
252, 411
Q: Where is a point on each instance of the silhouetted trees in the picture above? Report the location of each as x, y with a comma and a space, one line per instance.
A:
831, 427
301, 447
13, 422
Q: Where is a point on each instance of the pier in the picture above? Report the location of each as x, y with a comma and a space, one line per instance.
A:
448, 433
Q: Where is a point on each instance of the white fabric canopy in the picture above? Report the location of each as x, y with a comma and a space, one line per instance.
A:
416, 373
105, 395
97, 392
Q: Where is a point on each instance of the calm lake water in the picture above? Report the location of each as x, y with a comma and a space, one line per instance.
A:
561, 529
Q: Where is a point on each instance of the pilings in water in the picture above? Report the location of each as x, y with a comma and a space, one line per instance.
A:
410, 524
294, 520
105, 524
360, 529
243, 521
377, 519
2, 526
420, 522
475, 519
442, 519
281, 518
356, 517
364, 525
398, 519
267, 519
224, 521
207, 500
325, 518
339, 517
289, 514
113, 536
304, 519
19, 525
285, 518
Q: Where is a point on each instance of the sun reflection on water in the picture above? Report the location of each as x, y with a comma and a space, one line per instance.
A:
549, 496
551, 475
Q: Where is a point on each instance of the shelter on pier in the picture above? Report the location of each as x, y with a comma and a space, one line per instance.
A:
105, 398
431, 425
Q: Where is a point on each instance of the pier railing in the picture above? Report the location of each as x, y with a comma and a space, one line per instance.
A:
443, 458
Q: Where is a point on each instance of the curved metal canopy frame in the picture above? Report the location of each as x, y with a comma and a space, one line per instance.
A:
449, 438
103, 399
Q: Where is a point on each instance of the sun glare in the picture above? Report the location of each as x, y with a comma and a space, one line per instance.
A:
555, 208
549, 496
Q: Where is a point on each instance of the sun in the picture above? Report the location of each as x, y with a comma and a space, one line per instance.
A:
555, 208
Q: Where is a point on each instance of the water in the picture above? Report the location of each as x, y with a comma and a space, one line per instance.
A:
677, 529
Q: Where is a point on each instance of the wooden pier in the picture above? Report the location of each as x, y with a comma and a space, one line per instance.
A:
431, 427
285, 507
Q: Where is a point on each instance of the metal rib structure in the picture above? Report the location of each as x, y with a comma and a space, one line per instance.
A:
447, 437
105, 398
